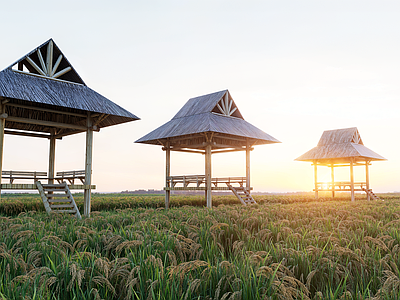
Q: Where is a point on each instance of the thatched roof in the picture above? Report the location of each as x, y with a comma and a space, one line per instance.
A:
44, 78
216, 113
339, 146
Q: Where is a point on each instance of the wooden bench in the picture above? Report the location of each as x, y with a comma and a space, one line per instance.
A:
12, 175
70, 176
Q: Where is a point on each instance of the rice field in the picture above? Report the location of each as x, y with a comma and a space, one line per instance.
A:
279, 249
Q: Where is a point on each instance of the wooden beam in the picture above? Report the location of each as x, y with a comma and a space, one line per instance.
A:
167, 174
37, 135
52, 157
88, 166
60, 135
2, 126
248, 166
230, 138
233, 150
47, 110
49, 61
352, 181
56, 65
35, 66
316, 180
44, 76
208, 192
188, 151
367, 179
45, 123
62, 72
333, 180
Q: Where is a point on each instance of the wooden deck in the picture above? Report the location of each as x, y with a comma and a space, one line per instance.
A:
27, 186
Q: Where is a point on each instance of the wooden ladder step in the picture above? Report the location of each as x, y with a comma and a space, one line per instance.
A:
56, 195
60, 200
64, 211
55, 190
62, 206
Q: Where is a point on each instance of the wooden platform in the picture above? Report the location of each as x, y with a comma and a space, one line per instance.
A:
27, 186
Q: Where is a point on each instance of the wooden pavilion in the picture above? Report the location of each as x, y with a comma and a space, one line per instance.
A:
341, 148
207, 125
42, 96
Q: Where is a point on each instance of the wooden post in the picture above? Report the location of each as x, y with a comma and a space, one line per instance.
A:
316, 179
352, 180
52, 156
88, 166
248, 166
2, 126
208, 176
333, 180
167, 173
367, 178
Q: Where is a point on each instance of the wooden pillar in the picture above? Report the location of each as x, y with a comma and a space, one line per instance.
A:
88, 166
333, 180
52, 157
352, 180
248, 166
208, 176
167, 174
316, 179
2, 126
367, 179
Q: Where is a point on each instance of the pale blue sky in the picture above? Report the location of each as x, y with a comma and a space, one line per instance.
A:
294, 68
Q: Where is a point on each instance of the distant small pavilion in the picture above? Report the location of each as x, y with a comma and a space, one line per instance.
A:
341, 148
207, 125
42, 96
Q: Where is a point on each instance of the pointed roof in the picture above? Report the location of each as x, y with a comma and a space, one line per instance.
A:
216, 112
45, 78
340, 145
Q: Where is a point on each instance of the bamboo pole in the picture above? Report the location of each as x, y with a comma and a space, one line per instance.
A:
52, 156
316, 179
352, 180
208, 176
2, 126
333, 180
88, 166
367, 179
248, 166
167, 173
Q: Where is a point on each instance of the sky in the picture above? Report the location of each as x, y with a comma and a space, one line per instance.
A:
294, 69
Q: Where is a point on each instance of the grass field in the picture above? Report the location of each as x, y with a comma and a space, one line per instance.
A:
287, 247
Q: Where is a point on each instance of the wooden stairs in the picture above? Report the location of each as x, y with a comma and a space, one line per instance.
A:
371, 194
242, 194
58, 198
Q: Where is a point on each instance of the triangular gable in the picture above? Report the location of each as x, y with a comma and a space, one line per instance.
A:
227, 107
340, 136
47, 61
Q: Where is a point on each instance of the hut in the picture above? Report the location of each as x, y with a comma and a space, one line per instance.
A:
42, 96
209, 124
341, 148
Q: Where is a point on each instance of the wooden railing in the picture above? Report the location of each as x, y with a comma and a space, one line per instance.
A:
340, 186
199, 180
36, 176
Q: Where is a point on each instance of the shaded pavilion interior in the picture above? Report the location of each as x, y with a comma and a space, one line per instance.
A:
42, 96
342, 148
208, 124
